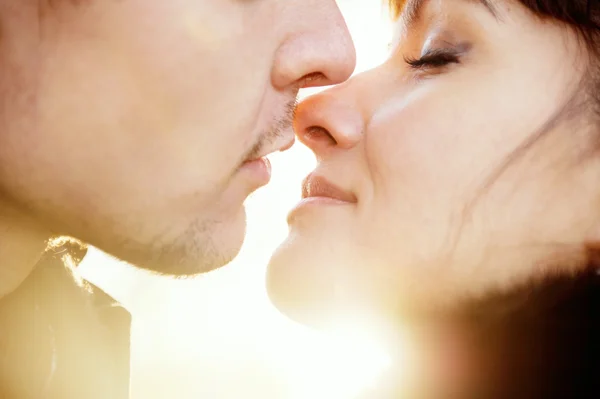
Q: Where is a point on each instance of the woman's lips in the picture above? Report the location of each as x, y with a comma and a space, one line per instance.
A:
315, 186
318, 191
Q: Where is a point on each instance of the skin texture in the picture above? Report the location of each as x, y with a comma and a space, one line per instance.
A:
125, 123
470, 177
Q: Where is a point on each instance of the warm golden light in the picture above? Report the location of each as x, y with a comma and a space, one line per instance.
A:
217, 336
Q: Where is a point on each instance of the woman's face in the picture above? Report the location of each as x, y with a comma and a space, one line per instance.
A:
461, 166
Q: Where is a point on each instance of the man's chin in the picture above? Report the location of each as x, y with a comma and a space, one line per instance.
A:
183, 261
199, 250
183, 264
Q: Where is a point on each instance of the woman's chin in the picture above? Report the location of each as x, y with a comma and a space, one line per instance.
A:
297, 283
321, 286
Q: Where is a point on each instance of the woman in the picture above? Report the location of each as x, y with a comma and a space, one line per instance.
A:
457, 195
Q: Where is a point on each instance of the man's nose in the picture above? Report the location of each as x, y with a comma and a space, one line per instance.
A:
318, 50
325, 122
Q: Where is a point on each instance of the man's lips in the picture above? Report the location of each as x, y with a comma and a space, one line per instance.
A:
282, 144
318, 186
289, 144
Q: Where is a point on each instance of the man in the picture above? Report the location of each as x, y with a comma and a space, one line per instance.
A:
140, 127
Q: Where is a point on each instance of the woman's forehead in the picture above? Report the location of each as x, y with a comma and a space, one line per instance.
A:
409, 9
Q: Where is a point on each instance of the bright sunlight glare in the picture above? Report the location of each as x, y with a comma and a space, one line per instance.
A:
217, 336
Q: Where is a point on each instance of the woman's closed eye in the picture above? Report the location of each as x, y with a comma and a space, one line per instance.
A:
434, 58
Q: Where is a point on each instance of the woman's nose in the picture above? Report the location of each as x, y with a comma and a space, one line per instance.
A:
325, 122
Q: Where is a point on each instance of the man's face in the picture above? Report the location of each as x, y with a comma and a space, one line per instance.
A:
128, 124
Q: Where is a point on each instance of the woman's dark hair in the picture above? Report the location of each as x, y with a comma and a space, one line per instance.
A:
539, 341
583, 16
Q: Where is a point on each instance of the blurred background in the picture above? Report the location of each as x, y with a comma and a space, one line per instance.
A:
216, 335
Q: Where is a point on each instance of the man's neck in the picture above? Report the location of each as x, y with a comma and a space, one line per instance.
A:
22, 243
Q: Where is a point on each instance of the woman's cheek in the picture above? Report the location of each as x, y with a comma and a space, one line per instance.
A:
418, 142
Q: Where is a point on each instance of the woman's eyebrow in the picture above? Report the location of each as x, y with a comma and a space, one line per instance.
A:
413, 9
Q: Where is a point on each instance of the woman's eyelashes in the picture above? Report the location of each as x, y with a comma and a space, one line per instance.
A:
436, 58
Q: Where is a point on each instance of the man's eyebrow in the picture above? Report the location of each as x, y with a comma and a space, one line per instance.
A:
413, 9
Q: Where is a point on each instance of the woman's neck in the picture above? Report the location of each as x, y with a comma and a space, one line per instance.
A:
22, 243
